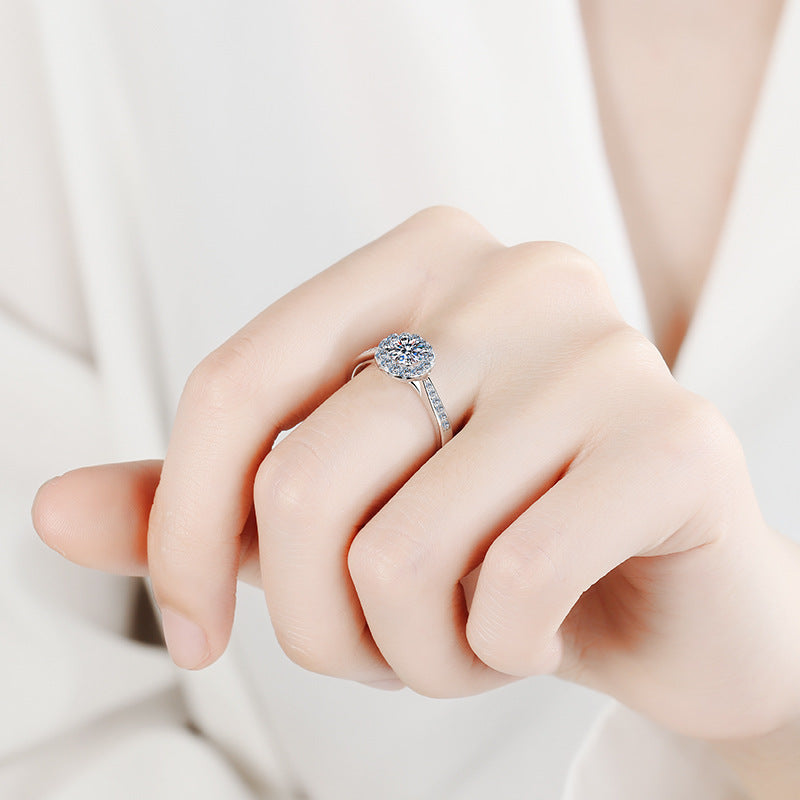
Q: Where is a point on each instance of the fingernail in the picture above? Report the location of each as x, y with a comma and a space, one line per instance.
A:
388, 684
186, 642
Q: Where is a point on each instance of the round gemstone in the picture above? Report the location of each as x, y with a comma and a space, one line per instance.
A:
405, 355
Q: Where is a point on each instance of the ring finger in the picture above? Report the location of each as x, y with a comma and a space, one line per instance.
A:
319, 485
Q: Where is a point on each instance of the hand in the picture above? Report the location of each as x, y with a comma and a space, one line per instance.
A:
767, 766
619, 540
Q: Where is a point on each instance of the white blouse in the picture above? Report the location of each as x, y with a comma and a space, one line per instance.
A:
170, 169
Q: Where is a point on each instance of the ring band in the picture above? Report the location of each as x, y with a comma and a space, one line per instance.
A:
409, 357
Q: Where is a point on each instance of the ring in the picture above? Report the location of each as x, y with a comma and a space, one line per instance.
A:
410, 358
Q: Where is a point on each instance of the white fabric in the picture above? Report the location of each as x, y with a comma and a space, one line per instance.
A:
168, 170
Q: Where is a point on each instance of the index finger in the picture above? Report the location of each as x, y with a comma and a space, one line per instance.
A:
264, 379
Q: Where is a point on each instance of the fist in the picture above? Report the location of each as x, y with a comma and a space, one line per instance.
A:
590, 518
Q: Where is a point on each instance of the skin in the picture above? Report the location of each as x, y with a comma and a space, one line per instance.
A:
621, 543
674, 155
605, 511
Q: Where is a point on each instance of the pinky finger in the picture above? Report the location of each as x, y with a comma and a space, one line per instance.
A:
602, 512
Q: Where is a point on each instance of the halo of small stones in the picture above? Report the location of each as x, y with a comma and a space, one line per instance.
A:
405, 355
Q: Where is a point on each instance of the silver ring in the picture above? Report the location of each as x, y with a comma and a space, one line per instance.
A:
409, 357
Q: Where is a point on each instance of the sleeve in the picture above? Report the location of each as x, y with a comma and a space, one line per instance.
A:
89, 711
627, 756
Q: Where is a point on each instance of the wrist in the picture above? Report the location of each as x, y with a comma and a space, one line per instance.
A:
768, 765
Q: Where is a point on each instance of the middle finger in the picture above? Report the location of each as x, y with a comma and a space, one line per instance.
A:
408, 560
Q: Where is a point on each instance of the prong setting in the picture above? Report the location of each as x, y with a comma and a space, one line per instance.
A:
409, 357
405, 355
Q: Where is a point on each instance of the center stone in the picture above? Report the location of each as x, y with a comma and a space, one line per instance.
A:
405, 355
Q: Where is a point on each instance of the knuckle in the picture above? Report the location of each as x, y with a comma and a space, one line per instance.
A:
558, 263
169, 536
176, 549
228, 376
303, 650
518, 567
435, 690
444, 217
541, 658
448, 229
292, 479
622, 346
171, 542
628, 381
692, 443
486, 635
507, 648
388, 562
559, 275
702, 439
578, 280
